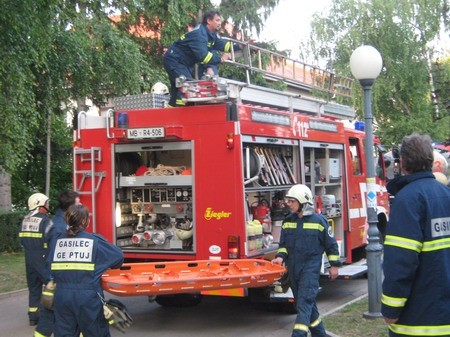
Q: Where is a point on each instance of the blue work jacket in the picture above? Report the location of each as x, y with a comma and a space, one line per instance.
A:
198, 46
416, 263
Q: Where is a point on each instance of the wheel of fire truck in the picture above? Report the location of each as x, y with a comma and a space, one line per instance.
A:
178, 300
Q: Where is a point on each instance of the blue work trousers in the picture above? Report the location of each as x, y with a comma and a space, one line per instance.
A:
175, 69
305, 287
79, 310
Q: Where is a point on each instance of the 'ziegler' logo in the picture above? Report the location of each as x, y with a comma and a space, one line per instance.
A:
210, 214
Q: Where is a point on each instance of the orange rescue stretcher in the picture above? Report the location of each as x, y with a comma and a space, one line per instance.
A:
161, 278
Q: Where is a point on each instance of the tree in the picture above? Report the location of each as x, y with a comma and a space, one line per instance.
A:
402, 32
56, 52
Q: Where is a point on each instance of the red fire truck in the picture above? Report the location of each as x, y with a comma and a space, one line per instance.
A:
207, 181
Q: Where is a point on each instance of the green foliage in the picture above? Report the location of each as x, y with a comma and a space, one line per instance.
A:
441, 97
24, 42
248, 14
401, 31
57, 52
9, 231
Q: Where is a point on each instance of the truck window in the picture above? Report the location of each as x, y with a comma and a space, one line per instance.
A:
355, 156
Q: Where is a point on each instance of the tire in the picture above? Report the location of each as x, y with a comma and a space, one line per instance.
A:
179, 300
288, 308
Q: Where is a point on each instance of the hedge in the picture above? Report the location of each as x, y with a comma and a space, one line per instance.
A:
9, 231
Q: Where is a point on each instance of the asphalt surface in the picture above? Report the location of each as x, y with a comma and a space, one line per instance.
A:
213, 314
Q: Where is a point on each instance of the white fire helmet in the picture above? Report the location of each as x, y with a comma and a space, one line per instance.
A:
441, 177
159, 88
301, 193
37, 200
439, 163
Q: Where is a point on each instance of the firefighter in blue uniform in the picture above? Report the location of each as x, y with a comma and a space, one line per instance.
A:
305, 236
32, 238
56, 228
202, 46
78, 260
416, 287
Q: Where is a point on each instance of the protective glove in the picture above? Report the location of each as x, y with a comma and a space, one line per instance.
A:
48, 295
117, 315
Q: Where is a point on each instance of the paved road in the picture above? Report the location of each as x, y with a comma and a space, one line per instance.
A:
213, 317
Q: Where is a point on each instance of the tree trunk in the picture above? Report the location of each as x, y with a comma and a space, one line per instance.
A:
49, 151
5, 190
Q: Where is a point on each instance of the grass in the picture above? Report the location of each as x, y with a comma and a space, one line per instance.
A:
349, 322
12, 272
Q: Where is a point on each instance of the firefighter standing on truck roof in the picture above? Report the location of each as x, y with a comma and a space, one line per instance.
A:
79, 259
32, 239
305, 235
199, 46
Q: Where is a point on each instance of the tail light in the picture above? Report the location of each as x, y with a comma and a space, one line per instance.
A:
233, 247
230, 141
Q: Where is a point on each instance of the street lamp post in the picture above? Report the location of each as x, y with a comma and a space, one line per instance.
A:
365, 65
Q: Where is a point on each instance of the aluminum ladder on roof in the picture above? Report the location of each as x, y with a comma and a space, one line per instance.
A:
293, 72
242, 92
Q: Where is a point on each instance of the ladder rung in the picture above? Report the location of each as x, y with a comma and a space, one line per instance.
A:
88, 173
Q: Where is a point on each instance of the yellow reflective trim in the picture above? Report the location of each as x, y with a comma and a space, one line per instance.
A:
301, 327
207, 58
282, 250
30, 235
227, 47
38, 334
33, 309
430, 246
290, 225
312, 225
72, 266
420, 330
398, 241
180, 102
316, 322
397, 302
333, 257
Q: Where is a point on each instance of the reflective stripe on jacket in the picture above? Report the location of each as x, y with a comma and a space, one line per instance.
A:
307, 238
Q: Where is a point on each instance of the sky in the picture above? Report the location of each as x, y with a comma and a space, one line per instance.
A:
290, 23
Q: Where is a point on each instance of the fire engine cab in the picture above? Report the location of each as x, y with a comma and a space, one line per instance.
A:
207, 181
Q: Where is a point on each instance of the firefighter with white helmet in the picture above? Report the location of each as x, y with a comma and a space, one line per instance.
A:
305, 236
32, 238
160, 88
